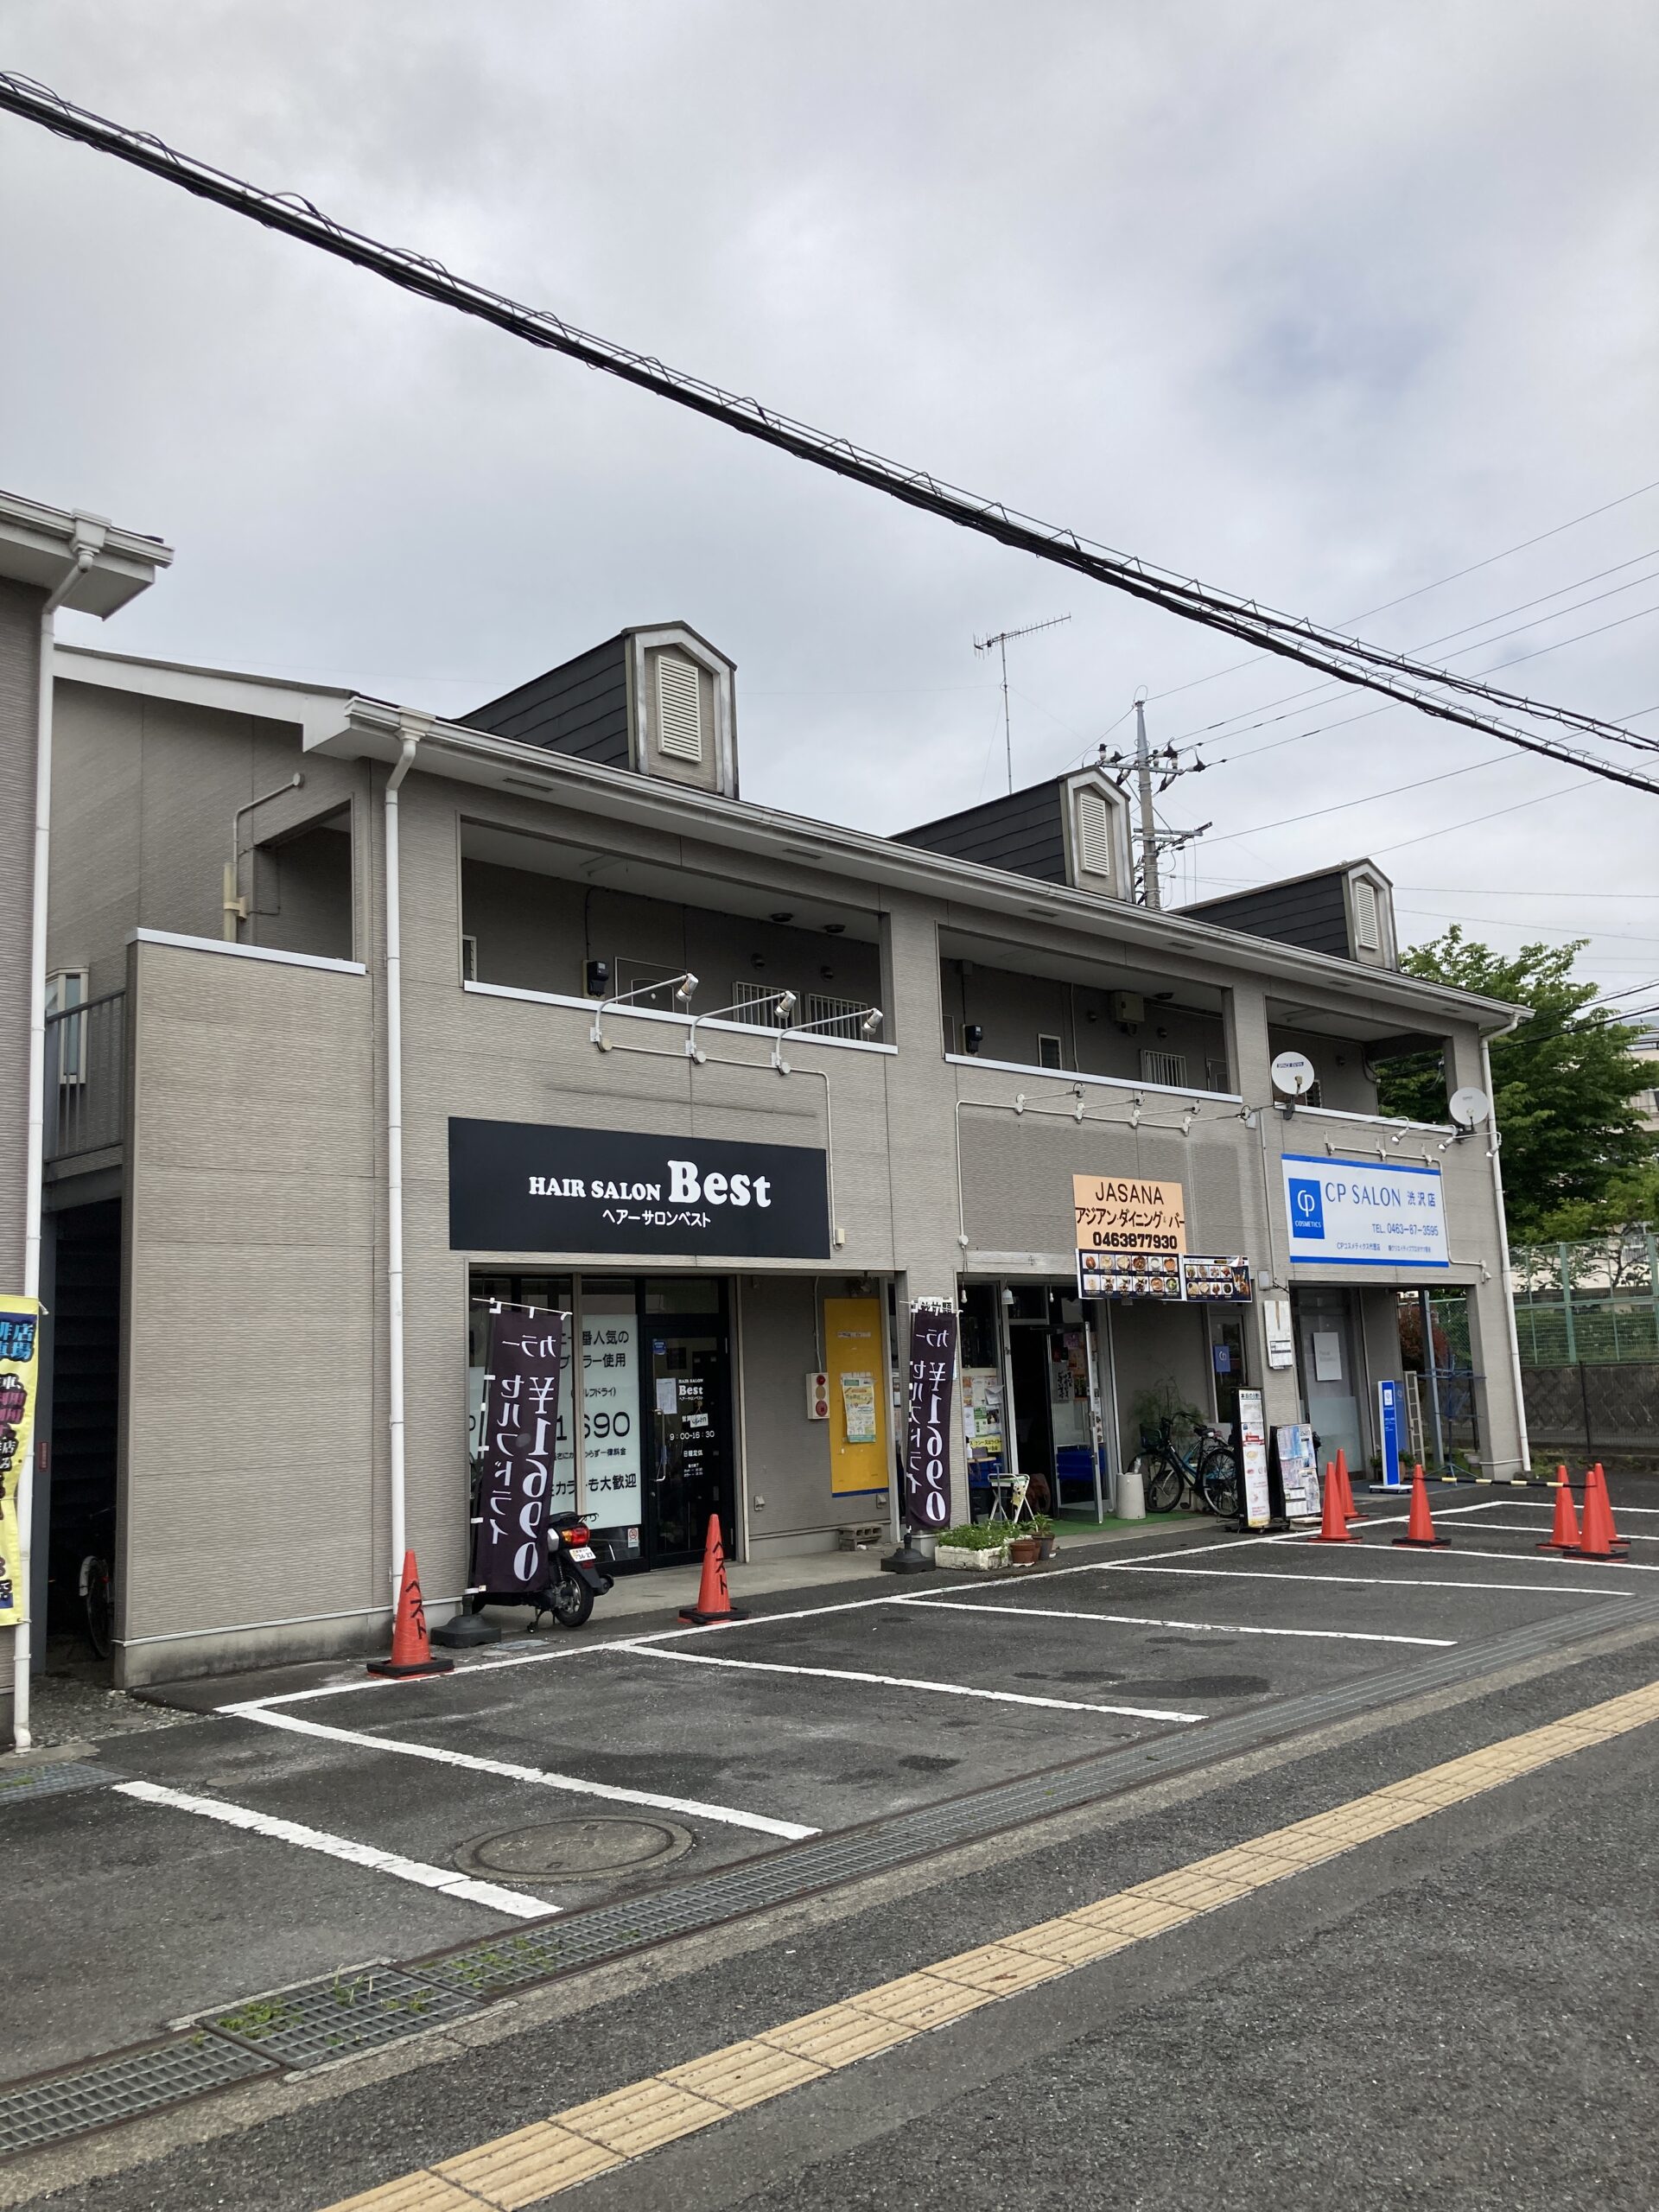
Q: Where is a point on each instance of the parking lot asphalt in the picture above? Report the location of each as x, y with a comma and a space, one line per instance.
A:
821, 1712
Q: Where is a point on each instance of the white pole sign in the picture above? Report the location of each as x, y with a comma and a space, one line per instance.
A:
1358, 1213
1253, 1455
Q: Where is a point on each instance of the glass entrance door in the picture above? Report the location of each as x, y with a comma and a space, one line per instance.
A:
688, 1408
1332, 1388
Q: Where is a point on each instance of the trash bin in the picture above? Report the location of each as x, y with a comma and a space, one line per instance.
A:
1128, 1495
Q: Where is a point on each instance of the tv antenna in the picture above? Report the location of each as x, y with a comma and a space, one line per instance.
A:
1001, 641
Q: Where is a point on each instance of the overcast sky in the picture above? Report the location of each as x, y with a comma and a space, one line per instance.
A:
1319, 305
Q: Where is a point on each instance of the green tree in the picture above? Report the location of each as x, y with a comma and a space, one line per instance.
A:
1564, 1087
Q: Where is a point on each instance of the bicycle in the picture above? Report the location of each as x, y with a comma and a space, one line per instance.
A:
1171, 1478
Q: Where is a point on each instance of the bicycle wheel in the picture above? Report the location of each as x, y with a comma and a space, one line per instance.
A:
1161, 1483
1219, 1488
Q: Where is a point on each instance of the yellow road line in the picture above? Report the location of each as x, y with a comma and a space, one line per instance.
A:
553, 2154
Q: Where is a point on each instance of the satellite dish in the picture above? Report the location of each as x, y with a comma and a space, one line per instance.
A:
1470, 1107
1294, 1074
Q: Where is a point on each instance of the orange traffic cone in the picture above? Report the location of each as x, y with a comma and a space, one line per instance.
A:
1564, 1532
1419, 1528
1349, 1510
714, 1598
1599, 1538
411, 1654
1333, 1528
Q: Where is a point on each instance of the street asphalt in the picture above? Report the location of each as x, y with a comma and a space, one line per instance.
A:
1463, 2014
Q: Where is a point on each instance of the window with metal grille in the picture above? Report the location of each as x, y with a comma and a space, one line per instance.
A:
840, 1017
469, 959
679, 707
757, 1003
950, 1043
1367, 928
1215, 1075
1094, 833
1048, 1051
1164, 1067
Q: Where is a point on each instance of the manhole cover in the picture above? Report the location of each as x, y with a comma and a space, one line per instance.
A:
575, 1851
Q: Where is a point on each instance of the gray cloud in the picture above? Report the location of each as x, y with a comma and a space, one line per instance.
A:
1315, 309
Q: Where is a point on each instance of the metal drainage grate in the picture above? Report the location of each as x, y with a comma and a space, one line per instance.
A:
348, 2012
20, 1785
121, 2088
494, 1967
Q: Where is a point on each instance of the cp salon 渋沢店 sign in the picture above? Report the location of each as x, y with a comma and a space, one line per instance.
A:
1360, 1213
519, 1186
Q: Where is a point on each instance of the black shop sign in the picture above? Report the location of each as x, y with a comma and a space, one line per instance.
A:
522, 1186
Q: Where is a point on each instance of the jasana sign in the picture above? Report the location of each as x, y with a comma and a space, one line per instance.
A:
519, 1186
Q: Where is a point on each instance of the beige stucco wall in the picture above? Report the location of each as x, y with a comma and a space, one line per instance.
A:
254, 1468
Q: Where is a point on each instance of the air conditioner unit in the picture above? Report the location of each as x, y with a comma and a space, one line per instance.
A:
1128, 1006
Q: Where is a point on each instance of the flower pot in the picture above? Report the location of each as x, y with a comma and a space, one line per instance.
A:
1046, 1546
1025, 1551
980, 1562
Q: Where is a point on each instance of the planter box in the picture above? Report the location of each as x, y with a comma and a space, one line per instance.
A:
986, 1562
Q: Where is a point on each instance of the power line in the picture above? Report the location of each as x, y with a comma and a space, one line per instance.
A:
1208, 729
1291, 637
1418, 590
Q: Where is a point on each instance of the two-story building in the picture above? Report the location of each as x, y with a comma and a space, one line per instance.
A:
368, 1018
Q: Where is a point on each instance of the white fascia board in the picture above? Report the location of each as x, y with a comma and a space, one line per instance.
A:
37, 542
268, 698
373, 730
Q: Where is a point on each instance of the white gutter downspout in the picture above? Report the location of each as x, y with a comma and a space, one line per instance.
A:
89, 542
395, 1155
1517, 1379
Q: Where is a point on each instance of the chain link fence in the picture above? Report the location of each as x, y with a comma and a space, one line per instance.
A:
1595, 1409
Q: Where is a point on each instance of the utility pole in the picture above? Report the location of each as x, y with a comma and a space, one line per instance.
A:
1145, 764
1001, 641
1151, 890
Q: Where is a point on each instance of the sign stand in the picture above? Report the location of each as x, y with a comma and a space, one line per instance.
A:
1255, 1468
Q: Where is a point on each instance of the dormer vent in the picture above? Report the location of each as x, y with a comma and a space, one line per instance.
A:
1094, 833
679, 708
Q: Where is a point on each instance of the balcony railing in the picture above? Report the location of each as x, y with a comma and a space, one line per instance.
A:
87, 1076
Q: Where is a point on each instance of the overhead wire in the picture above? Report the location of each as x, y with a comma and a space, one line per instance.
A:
1470, 704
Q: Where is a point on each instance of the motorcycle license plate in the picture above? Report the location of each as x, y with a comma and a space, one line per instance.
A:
583, 1552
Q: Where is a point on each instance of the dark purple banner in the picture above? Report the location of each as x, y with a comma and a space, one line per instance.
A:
932, 1381
521, 1425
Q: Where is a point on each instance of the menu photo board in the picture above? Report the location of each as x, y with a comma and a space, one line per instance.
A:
1184, 1277
1129, 1275
1299, 1470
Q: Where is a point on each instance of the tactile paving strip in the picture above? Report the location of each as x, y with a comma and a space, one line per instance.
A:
581, 1939
345, 2013
120, 2088
21, 1785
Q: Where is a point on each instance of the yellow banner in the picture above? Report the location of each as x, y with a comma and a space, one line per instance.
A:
19, 1329
859, 1459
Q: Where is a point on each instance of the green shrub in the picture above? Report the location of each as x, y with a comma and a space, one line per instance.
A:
983, 1536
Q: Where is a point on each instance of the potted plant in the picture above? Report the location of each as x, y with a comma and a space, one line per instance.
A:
1043, 1528
1025, 1546
982, 1548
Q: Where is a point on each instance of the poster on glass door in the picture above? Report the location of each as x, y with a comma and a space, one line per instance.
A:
610, 1409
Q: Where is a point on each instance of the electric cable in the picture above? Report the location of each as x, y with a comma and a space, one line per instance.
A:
1294, 638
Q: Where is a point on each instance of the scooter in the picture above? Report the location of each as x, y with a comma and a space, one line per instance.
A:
574, 1578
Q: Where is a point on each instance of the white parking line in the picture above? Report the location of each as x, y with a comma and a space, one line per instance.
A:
443, 1879
1532, 1528
792, 1831
1548, 1504
906, 1682
1624, 1565
1141, 1620
1383, 1581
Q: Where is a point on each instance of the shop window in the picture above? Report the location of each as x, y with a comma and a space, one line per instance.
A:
1168, 1068
979, 1346
1048, 1052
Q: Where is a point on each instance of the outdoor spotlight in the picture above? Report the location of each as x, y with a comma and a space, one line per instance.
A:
688, 984
785, 1007
871, 1021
